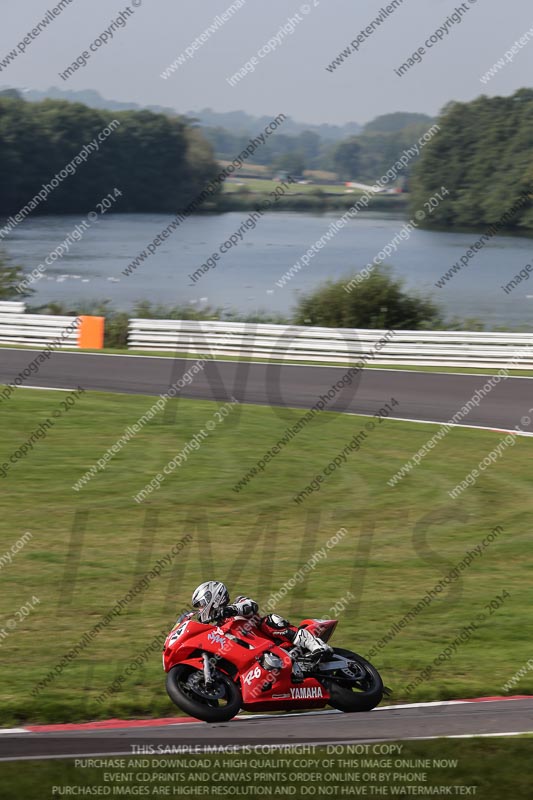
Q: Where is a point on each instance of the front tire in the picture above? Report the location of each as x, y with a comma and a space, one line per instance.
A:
363, 694
186, 688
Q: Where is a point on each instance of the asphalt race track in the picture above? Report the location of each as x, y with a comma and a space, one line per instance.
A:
422, 396
325, 727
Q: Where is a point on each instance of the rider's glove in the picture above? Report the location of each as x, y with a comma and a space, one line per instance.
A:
222, 613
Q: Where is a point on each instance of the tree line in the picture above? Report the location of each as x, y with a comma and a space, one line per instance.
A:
160, 161
364, 156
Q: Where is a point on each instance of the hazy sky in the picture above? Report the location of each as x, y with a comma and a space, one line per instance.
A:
291, 79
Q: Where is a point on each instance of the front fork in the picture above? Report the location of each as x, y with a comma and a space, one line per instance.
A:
208, 674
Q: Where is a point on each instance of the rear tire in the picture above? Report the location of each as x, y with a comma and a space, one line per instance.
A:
365, 695
192, 702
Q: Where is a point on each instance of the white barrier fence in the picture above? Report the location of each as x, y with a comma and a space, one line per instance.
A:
285, 342
333, 345
11, 308
16, 327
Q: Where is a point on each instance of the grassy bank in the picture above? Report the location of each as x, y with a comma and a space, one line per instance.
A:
89, 547
265, 185
316, 200
488, 769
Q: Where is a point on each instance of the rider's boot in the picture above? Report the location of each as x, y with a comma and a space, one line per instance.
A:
311, 644
310, 647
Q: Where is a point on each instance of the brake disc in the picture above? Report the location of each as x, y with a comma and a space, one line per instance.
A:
196, 684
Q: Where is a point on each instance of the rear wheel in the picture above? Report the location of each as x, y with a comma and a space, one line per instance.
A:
357, 687
217, 703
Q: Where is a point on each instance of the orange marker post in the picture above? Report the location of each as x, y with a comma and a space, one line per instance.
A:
91, 333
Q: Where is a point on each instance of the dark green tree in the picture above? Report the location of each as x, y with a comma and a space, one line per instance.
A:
483, 154
347, 159
160, 163
293, 163
398, 121
377, 302
310, 146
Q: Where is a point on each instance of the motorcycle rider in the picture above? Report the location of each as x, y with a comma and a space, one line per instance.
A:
212, 601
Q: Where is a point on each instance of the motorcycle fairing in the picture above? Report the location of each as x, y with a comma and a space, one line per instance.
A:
238, 650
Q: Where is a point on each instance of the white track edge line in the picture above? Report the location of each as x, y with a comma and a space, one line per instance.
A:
433, 422
346, 413
289, 715
48, 388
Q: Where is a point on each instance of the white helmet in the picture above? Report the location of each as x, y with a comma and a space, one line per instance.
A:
209, 597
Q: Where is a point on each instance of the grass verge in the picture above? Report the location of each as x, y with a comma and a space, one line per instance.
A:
89, 547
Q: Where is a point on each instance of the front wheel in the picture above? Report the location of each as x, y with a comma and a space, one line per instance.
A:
358, 687
217, 703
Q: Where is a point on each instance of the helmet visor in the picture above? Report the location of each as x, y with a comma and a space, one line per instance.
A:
203, 601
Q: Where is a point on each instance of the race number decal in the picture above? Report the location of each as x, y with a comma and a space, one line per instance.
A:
254, 673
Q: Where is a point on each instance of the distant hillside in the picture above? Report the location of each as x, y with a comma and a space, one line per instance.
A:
90, 98
351, 151
236, 122
239, 122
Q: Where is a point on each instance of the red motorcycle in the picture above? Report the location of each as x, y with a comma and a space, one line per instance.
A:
214, 672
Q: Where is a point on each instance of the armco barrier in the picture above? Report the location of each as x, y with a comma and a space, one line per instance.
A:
7, 307
332, 345
17, 327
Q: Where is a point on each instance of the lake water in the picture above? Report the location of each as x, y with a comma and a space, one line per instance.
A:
244, 278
